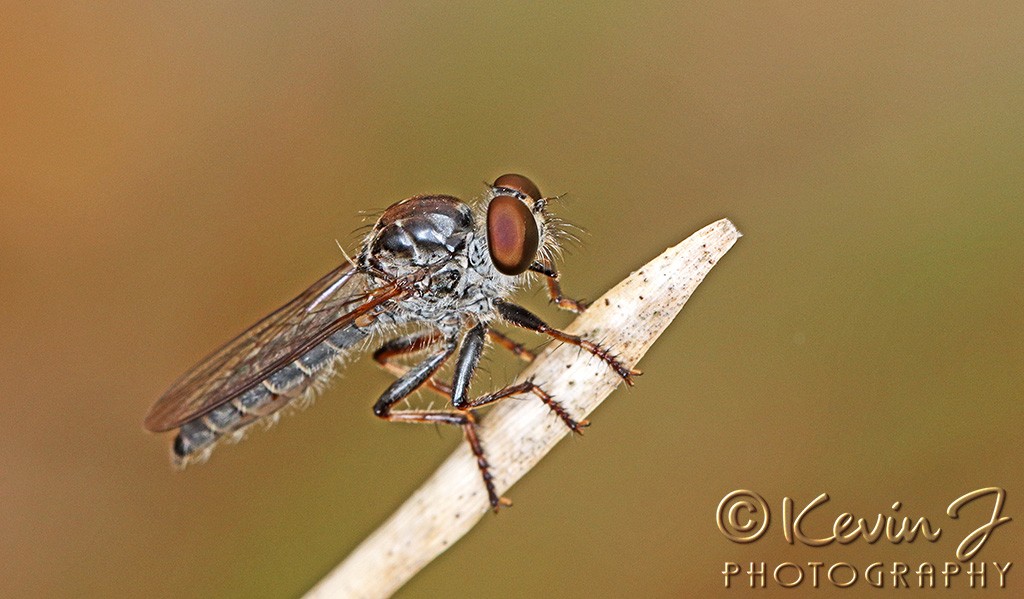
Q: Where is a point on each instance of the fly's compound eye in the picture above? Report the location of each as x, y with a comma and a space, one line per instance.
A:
512, 235
518, 184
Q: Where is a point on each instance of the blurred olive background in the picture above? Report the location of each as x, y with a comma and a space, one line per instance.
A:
171, 172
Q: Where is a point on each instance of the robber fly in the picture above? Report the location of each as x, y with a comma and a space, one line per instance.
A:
433, 267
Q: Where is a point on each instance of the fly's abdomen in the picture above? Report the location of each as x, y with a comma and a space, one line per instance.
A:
197, 437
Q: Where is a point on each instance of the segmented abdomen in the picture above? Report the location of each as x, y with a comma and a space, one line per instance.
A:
197, 437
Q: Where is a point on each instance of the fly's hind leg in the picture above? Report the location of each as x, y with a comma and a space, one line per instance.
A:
410, 344
419, 375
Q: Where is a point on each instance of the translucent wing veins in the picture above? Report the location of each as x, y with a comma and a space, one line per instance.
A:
277, 340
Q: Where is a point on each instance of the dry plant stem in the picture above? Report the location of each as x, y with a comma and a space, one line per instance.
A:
517, 434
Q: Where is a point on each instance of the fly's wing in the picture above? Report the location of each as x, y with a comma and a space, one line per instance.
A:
327, 306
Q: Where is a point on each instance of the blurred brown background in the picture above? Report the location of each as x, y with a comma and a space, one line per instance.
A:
172, 172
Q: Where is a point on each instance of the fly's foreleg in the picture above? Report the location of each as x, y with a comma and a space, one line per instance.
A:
555, 289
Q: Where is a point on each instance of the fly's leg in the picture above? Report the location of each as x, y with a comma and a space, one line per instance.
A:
528, 386
413, 343
409, 344
511, 345
555, 289
522, 317
472, 346
416, 377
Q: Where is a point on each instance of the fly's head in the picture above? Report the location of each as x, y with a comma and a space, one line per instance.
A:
517, 226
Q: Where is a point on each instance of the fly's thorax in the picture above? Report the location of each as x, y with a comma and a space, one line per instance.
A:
416, 233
